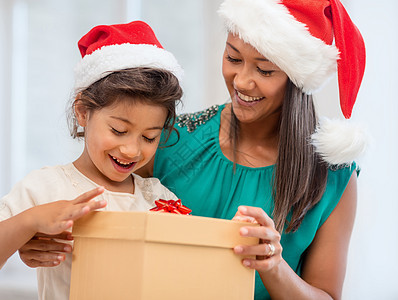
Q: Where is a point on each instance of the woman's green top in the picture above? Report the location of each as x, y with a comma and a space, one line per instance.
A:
196, 170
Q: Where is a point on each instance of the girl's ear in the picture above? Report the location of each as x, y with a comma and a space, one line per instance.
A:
81, 112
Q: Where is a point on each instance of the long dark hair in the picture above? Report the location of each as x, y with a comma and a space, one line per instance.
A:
147, 85
300, 174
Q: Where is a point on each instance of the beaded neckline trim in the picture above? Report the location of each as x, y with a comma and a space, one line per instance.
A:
193, 120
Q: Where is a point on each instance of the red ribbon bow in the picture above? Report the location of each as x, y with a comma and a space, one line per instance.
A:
171, 206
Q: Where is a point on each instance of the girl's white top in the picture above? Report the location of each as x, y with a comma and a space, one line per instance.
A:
50, 184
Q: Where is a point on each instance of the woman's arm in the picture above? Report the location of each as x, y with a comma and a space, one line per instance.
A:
52, 218
324, 266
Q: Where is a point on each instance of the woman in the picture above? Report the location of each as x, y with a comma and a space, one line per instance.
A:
255, 154
265, 155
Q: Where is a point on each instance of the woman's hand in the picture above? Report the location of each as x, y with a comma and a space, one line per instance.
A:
51, 221
44, 251
269, 251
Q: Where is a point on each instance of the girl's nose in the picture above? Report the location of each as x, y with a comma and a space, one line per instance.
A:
131, 150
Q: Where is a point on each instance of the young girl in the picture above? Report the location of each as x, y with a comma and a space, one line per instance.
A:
126, 89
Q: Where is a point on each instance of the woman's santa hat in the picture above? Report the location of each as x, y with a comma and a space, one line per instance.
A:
297, 36
109, 48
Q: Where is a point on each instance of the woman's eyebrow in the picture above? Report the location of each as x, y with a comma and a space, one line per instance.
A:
229, 44
257, 58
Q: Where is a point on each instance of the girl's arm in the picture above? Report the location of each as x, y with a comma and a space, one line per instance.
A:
52, 218
325, 263
44, 251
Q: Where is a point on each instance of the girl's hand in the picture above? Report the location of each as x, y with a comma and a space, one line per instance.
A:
51, 221
56, 217
269, 252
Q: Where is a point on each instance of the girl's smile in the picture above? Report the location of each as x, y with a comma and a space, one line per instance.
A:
119, 139
123, 167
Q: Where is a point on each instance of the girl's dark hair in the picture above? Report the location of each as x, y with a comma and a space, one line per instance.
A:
147, 85
300, 175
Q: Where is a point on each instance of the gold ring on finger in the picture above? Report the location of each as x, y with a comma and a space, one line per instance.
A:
271, 251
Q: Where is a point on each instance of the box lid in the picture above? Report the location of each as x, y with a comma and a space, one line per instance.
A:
162, 228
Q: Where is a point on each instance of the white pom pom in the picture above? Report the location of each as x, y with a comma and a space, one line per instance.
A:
339, 141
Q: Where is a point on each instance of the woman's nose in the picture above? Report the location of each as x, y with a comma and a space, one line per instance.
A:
243, 79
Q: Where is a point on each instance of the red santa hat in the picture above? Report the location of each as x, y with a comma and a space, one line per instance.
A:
109, 48
298, 36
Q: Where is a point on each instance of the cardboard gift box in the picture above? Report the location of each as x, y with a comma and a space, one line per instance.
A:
152, 255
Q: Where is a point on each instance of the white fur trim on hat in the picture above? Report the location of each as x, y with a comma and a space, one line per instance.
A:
112, 58
339, 141
268, 26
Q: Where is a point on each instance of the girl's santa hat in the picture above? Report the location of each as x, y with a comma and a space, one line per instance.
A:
109, 48
297, 36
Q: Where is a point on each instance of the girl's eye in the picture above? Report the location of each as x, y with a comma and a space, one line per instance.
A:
265, 73
148, 139
232, 60
117, 132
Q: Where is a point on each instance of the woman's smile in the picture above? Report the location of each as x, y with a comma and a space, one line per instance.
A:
246, 100
251, 79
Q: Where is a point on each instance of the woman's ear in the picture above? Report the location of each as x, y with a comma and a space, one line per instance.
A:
81, 112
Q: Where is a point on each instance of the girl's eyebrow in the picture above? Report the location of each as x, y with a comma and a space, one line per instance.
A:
155, 127
121, 119
257, 58
128, 122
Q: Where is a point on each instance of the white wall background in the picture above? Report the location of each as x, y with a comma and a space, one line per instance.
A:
38, 52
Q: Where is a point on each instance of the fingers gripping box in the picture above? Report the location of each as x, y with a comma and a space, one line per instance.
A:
151, 255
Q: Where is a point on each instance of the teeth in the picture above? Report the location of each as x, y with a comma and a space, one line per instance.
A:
122, 163
248, 98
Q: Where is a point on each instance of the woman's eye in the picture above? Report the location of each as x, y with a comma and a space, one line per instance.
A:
265, 73
148, 139
232, 60
117, 132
